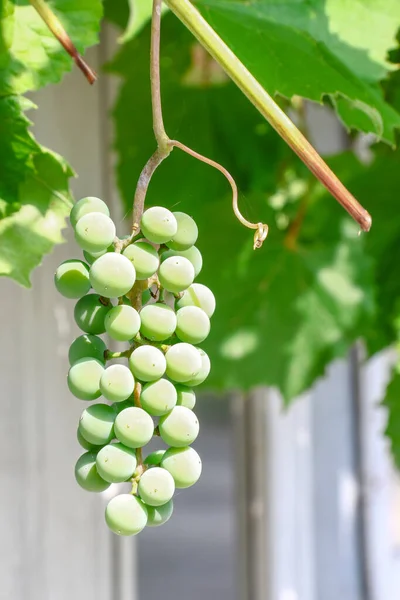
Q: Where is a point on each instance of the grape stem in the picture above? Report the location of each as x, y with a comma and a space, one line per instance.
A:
165, 145
110, 355
59, 32
265, 104
261, 229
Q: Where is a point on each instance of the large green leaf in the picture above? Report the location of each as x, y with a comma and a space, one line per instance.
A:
283, 313
34, 194
392, 402
30, 56
316, 49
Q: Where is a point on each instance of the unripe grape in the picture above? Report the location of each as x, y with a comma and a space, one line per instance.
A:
193, 325
186, 235
134, 427
116, 463
86, 346
94, 232
117, 383
158, 322
176, 274
90, 313
193, 254
204, 371
156, 486
155, 458
147, 363
84, 378
179, 428
184, 464
126, 515
85, 206
158, 224
87, 445
183, 362
158, 398
86, 474
185, 396
72, 279
198, 295
144, 258
96, 424
122, 323
91, 257
112, 275
158, 515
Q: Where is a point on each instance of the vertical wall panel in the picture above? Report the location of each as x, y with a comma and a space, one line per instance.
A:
55, 545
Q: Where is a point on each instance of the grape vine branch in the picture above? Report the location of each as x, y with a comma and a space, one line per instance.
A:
165, 145
59, 32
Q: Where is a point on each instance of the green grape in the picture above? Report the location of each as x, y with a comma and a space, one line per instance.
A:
122, 323
72, 279
120, 406
85, 346
144, 258
158, 397
158, 515
134, 427
126, 515
146, 296
193, 254
179, 428
158, 224
192, 324
85, 444
116, 463
147, 363
91, 257
204, 371
183, 362
187, 233
86, 474
156, 486
185, 396
96, 424
90, 313
112, 275
155, 458
184, 464
85, 206
158, 322
198, 295
94, 232
176, 274
117, 383
84, 378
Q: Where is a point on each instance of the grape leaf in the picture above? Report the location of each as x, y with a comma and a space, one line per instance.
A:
283, 312
392, 402
378, 184
317, 49
139, 14
34, 194
30, 56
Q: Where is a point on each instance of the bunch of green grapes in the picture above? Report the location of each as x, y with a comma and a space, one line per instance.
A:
139, 290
